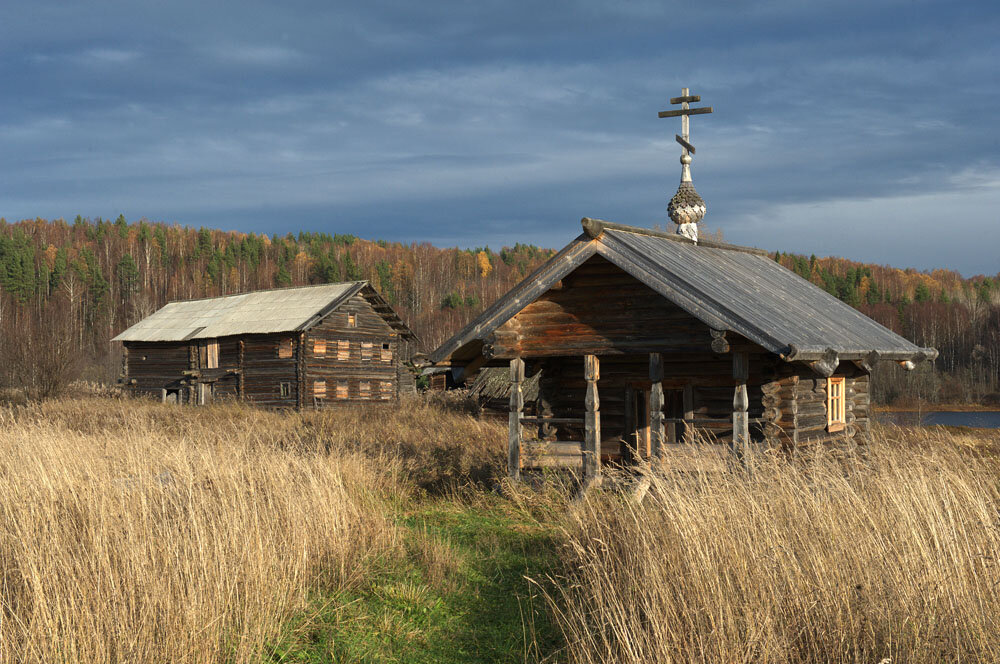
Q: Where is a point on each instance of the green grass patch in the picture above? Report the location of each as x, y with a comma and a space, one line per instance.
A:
458, 594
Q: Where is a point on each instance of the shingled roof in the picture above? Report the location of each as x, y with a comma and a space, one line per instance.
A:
730, 288
259, 312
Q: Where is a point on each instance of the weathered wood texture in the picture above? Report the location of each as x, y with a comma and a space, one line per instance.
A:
373, 357
514, 435
598, 309
795, 408
250, 367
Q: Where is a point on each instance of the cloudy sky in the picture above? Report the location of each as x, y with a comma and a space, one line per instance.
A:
864, 129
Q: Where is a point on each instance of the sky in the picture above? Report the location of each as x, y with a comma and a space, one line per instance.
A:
866, 129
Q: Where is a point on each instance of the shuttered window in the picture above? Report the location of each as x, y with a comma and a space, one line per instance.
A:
352, 320
366, 351
285, 348
385, 389
319, 347
342, 389
387, 352
319, 389
365, 389
210, 357
836, 411
343, 350
285, 390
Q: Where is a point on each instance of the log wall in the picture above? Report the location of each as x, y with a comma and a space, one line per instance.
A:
381, 375
152, 366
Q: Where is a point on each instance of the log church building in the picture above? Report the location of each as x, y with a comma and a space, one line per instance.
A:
643, 340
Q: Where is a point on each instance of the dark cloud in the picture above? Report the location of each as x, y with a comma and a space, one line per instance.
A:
855, 128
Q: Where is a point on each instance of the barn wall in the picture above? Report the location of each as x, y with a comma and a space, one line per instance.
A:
264, 371
371, 328
154, 365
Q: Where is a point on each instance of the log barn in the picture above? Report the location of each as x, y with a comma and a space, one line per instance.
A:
646, 339
305, 347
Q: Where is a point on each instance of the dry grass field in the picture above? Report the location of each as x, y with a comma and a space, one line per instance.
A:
894, 558
135, 532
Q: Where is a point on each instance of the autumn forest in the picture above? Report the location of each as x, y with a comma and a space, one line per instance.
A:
66, 288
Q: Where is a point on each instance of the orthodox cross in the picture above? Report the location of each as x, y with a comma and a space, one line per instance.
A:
686, 208
684, 112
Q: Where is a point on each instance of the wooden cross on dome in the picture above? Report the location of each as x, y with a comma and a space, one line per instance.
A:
684, 111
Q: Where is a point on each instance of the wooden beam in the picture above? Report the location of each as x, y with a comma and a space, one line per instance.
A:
592, 421
656, 434
514, 423
868, 362
690, 99
684, 144
719, 343
826, 365
685, 111
741, 404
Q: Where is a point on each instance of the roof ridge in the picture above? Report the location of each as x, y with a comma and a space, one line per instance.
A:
595, 227
268, 290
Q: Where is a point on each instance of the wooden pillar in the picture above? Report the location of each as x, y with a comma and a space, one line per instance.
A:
741, 421
592, 420
240, 379
516, 408
657, 435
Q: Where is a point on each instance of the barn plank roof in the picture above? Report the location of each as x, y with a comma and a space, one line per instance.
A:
727, 287
259, 312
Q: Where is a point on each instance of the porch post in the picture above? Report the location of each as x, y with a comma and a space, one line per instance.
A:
516, 408
656, 432
741, 422
592, 420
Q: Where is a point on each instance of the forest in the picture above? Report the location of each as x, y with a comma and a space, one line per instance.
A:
66, 288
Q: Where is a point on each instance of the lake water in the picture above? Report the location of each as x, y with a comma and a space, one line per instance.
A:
980, 420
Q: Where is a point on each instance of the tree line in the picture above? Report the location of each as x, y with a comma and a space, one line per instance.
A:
66, 288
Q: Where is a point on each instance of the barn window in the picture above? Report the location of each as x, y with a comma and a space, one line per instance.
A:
352, 320
365, 389
836, 415
319, 389
285, 389
386, 353
366, 351
285, 348
343, 350
342, 389
385, 389
210, 354
319, 347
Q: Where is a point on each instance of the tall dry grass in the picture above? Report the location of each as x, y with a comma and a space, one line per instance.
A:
827, 560
132, 532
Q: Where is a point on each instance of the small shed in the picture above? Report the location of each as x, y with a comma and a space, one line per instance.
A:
303, 347
646, 340
491, 388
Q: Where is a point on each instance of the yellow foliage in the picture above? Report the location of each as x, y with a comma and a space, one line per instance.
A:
483, 262
50, 255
